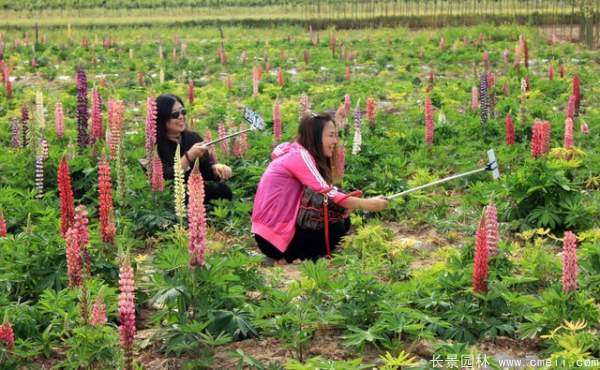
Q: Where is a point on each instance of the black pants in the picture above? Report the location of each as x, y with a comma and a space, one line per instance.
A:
216, 190
306, 244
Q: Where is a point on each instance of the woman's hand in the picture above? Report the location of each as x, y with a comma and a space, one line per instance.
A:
197, 151
222, 171
374, 204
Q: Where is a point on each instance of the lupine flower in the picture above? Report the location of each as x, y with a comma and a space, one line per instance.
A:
191, 91
179, 184
527, 84
59, 120
340, 117
540, 138
255, 81
98, 312
480, 268
428, 120
484, 99
25, 125
584, 128
486, 60
74, 260
340, 161
571, 107
150, 129
550, 72
332, 43
82, 109
276, 122
525, 51
510, 130
67, 208
127, 312
97, 129
474, 98
7, 335
491, 229
371, 111
546, 136
222, 56
577, 93
197, 241
116, 109
222, 131
280, 80
306, 56
304, 105
229, 82
235, 147
2, 225
157, 181
568, 139
107, 227
243, 142
39, 176
44, 148
518, 51
14, 132
561, 71
347, 104
569, 259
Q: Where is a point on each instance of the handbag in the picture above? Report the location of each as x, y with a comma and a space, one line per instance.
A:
317, 211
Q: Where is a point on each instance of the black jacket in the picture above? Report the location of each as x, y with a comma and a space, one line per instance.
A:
166, 152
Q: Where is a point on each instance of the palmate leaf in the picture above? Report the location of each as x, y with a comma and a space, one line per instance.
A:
544, 216
235, 323
360, 337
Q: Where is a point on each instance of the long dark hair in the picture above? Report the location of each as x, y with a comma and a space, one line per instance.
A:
310, 136
164, 107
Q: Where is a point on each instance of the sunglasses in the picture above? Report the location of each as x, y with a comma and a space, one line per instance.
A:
175, 115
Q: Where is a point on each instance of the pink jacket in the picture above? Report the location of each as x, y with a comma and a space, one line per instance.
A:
279, 193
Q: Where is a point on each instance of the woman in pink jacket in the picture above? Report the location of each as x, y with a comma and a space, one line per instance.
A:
304, 163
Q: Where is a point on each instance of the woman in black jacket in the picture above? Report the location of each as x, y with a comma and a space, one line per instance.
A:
170, 131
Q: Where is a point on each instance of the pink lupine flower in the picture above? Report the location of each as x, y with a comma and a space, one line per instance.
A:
480, 268
347, 104
97, 129
212, 152
474, 98
7, 335
510, 130
371, 106
157, 181
280, 80
568, 139
107, 227
59, 120
116, 110
491, 229
569, 259
127, 328
191, 91
491, 80
276, 122
486, 59
74, 260
525, 51
34, 63
571, 107
584, 128
255, 81
546, 136
577, 93
235, 147
98, 312
197, 241
550, 72
80, 226
428, 120
340, 117
304, 105
224, 144
150, 130
536, 140
2, 225
348, 75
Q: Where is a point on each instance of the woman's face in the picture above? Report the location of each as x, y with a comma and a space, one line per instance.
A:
175, 126
329, 139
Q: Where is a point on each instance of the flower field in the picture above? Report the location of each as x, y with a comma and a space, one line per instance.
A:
103, 266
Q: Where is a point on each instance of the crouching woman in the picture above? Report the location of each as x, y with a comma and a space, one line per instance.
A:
304, 164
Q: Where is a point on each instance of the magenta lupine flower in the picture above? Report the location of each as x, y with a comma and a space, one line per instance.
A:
59, 120
191, 91
82, 109
98, 312
491, 229
280, 80
546, 128
157, 181
127, 328
571, 107
371, 111
550, 72
97, 129
197, 241
2, 225
150, 128
474, 98
569, 259
222, 131
7, 335
480, 263
568, 139
14, 132
536, 139
584, 128
577, 93
428, 120
510, 130
65, 191
212, 152
276, 122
